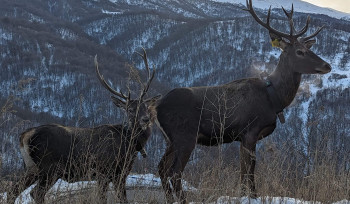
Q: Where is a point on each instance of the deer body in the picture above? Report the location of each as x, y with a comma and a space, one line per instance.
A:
205, 110
243, 110
104, 146
104, 153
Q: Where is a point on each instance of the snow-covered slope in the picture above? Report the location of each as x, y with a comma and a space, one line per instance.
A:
300, 6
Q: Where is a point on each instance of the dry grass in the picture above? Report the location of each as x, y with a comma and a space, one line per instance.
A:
276, 175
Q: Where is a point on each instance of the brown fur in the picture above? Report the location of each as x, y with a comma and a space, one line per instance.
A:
25, 136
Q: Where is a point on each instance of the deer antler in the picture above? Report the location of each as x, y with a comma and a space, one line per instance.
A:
290, 19
313, 35
290, 36
150, 75
107, 86
267, 24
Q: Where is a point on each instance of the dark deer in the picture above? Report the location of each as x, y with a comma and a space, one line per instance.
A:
243, 110
105, 153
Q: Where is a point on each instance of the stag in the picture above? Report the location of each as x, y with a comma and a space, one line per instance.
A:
243, 110
105, 153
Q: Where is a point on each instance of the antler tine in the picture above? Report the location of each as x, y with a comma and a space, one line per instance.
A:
289, 15
144, 57
145, 90
150, 75
126, 98
267, 24
304, 29
248, 6
314, 34
268, 17
290, 36
105, 84
290, 19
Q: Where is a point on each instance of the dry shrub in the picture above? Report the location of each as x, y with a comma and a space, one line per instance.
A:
277, 174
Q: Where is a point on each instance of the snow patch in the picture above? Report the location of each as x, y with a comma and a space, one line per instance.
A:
5, 35
111, 12
67, 34
270, 200
63, 188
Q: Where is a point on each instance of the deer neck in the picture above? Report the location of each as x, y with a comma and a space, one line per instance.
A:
139, 133
141, 137
285, 81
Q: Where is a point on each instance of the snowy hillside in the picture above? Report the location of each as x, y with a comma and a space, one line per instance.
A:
299, 6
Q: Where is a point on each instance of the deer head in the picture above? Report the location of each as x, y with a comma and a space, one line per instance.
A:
296, 49
136, 109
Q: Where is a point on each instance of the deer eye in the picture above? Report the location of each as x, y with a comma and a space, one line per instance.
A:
300, 53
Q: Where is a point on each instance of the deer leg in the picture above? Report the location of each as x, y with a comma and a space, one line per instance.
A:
172, 165
20, 185
180, 130
164, 170
120, 178
183, 154
119, 182
177, 185
247, 160
44, 184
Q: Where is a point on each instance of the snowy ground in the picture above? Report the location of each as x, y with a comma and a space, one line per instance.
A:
267, 200
62, 188
151, 181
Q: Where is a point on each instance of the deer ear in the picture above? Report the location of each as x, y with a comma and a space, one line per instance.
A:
119, 103
277, 41
309, 43
153, 99
283, 44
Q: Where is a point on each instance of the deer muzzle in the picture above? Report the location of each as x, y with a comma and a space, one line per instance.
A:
326, 68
